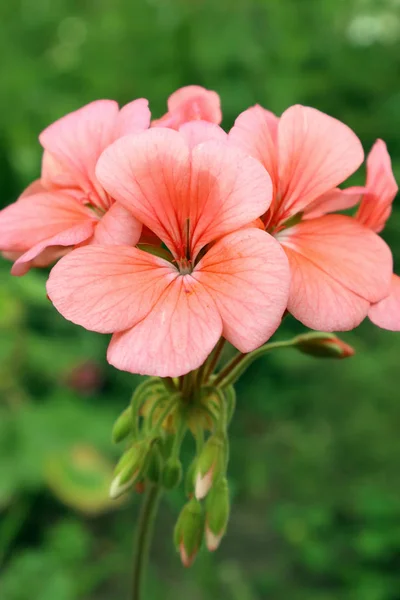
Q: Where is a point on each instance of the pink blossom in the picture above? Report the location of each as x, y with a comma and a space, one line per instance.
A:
191, 103
374, 211
68, 206
167, 314
338, 266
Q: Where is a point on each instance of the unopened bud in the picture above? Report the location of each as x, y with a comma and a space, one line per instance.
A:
172, 473
217, 514
155, 465
129, 469
122, 426
210, 464
323, 345
188, 534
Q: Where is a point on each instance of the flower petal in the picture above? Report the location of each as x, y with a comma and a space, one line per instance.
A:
228, 191
149, 173
33, 188
386, 313
47, 251
333, 201
255, 132
176, 336
320, 302
108, 288
133, 118
247, 275
197, 132
118, 227
316, 153
75, 142
216, 190
191, 103
376, 205
337, 268
35, 218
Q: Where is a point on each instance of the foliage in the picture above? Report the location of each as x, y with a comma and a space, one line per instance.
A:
315, 449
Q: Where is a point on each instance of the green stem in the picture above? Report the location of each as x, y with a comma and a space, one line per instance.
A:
215, 356
143, 538
234, 369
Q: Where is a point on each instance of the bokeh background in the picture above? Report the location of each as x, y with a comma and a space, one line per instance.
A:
315, 444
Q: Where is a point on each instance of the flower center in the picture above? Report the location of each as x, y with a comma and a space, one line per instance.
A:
185, 266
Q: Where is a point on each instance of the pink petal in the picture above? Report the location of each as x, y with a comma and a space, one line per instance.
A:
48, 250
247, 275
36, 218
33, 188
382, 188
191, 103
118, 227
133, 118
338, 267
197, 132
149, 173
316, 153
255, 132
386, 313
228, 191
108, 288
176, 337
333, 201
76, 141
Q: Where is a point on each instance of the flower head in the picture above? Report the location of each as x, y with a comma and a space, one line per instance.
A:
217, 276
68, 206
338, 266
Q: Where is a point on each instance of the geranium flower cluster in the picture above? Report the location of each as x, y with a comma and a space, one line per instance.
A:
172, 233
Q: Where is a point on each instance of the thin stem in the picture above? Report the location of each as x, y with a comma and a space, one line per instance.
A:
215, 356
232, 371
143, 538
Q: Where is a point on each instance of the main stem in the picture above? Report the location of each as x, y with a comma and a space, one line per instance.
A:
143, 538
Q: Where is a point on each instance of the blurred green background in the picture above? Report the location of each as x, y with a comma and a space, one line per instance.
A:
315, 445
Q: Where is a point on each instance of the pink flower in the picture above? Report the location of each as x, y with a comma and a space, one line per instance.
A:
374, 211
68, 206
191, 103
167, 315
338, 266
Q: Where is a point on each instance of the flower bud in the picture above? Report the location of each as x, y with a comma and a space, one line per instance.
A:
210, 464
188, 534
122, 426
323, 345
155, 464
172, 473
129, 468
217, 514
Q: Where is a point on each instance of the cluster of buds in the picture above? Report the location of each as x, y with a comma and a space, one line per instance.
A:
161, 413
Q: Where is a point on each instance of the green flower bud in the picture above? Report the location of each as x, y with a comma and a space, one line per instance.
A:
172, 473
122, 426
217, 514
129, 468
188, 534
323, 345
211, 464
155, 464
